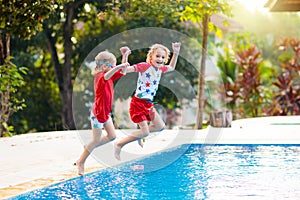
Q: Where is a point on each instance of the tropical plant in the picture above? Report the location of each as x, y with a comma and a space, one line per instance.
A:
241, 74
249, 80
286, 100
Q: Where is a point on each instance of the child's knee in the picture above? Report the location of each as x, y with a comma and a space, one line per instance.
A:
161, 128
111, 137
97, 143
145, 134
145, 131
158, 129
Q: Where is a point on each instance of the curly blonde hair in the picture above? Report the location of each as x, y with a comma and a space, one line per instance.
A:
106, 57
153, 48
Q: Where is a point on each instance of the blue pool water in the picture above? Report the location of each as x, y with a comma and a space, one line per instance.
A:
211, 172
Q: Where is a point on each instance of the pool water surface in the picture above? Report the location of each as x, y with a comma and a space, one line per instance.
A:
206, 172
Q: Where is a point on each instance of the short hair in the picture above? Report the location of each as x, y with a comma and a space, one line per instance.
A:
104, 56
153, 48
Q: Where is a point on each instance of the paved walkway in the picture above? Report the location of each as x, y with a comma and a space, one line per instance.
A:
32, 161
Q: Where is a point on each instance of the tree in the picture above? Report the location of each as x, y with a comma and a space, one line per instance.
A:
40, 92
200, 12
59, 32
93, 22
131, 15
19, 19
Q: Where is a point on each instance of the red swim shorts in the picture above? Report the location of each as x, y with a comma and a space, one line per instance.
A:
141, 110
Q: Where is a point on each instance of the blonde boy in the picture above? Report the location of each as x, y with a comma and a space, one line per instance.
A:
105, 73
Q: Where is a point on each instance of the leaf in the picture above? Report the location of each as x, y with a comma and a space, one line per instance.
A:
219, 33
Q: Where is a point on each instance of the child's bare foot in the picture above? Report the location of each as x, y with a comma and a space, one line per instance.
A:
80, 167
117, 151
141, 143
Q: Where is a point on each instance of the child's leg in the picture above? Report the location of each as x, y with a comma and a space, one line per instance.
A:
111, 133
157, 123
140, 142
98, 140
141, 133
88, 149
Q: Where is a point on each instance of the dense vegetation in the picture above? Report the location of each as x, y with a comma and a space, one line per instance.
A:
259, 67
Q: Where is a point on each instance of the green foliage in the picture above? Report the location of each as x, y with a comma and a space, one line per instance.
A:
200, 12
242, 69
93, 27
11, 75
11, 81
24, 18
20, 19
226, 65
41, 94
195, 10
151, 14
95, 21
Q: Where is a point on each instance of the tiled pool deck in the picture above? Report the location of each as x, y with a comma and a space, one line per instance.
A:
36, 160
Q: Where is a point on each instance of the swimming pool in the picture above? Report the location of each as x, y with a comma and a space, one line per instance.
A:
206, 172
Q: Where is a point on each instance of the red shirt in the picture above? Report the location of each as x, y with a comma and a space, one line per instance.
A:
104, 95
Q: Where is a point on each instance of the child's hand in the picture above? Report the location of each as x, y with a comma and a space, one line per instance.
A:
123, 65
176, 47
125, 51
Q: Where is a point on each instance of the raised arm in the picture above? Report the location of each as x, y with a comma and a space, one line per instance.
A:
125, 51
176, 49
111, 72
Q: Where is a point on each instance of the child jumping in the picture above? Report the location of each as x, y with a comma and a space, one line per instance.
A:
105, 73
142, 108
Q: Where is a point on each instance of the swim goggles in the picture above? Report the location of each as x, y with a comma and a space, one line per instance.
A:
104, 63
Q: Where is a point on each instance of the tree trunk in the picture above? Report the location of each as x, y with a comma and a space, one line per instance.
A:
201, 78
68, 120
63, 71
5, 95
